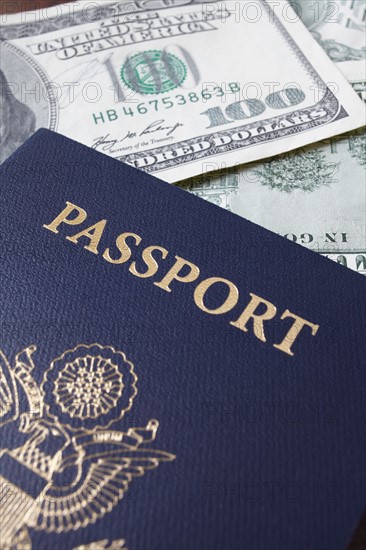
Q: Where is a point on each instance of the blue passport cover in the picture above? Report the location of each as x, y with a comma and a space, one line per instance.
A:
172, 376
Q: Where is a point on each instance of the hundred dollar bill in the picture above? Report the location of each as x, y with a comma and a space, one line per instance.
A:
339, 28
341, 14
315, 196
168, 85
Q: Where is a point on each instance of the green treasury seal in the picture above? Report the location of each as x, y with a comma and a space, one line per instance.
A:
153, 72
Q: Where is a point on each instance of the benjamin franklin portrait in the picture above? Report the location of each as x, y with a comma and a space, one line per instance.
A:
17, 120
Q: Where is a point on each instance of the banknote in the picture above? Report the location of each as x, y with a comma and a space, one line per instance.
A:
339, 28
315, 196
348, 14
168, 86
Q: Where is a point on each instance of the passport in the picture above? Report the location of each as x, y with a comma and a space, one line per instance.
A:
172, 376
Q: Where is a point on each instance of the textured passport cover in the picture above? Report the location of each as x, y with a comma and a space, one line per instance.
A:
206, 393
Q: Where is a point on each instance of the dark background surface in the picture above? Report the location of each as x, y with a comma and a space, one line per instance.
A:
7, 7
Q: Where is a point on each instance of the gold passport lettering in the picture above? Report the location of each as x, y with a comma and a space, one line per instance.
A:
255, 315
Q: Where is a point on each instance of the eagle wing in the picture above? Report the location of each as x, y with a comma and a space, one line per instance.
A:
105, 480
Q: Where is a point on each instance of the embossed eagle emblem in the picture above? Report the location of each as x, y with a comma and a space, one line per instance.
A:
67, 467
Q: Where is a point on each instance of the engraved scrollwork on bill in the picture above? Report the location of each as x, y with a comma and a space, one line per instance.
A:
338, 51
269, 129
79, 15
